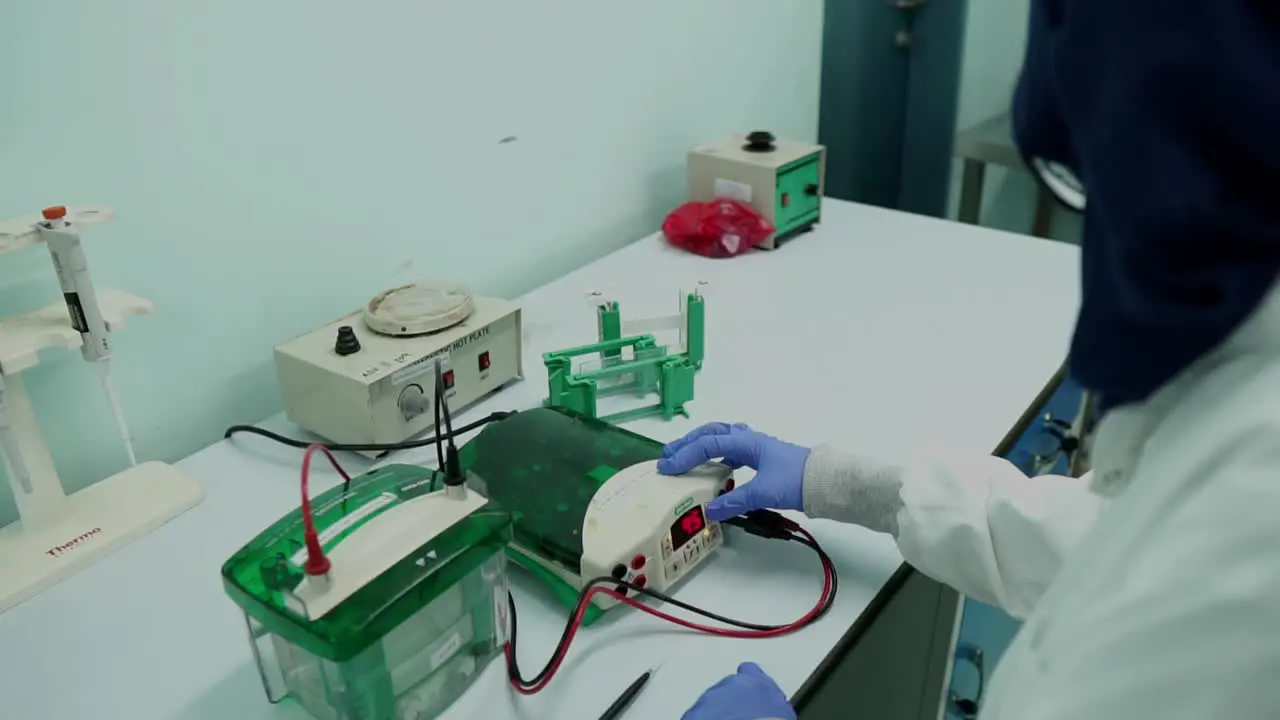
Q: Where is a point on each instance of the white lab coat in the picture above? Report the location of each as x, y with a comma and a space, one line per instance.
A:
1151, 587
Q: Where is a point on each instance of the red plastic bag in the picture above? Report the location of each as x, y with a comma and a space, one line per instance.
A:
720, 228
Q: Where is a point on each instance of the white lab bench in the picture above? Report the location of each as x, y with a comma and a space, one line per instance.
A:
880, 332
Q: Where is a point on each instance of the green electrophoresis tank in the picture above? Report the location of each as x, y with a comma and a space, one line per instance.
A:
407, 644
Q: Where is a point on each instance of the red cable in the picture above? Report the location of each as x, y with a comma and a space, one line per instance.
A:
317, 563
581, 610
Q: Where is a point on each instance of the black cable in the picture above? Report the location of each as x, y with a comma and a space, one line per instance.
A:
372, 447
830, 567
444, 405
439, 400
772, 525
449, 462
363, 447
513, 666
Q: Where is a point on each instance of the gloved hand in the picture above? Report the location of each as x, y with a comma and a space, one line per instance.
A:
779, 466
747, 695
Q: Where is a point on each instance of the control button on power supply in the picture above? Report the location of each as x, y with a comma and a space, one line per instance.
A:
448, 379
483, 361
640, 581
637, 562
619, 571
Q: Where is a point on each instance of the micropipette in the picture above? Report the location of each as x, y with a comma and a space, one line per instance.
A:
63, 241
116, 410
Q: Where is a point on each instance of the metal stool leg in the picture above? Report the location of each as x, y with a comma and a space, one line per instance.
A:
975, 173
1044, 213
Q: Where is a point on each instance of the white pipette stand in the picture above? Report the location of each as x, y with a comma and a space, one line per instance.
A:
58, 534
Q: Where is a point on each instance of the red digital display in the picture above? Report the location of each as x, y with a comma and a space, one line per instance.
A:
687, 526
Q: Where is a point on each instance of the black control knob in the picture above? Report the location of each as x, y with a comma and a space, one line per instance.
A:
347, 342
759, 141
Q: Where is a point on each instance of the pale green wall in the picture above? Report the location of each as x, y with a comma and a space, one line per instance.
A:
274, 163
995, 40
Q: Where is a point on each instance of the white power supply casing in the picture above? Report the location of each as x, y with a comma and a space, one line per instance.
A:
383, 392
650, 529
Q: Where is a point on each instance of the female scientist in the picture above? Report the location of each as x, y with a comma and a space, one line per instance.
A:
1150, 589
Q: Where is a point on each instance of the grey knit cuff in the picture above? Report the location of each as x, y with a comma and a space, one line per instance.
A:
853, 488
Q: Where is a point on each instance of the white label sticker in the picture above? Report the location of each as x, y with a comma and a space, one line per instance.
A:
731, 243
608, 495
733, 190
345, 523
446, 651
420, 367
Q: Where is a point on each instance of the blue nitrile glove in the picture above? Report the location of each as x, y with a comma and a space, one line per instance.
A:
779, 466
747, 695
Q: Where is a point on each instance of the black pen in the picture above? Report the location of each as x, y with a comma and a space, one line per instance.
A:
616, 709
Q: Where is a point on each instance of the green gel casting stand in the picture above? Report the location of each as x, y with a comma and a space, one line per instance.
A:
635, 365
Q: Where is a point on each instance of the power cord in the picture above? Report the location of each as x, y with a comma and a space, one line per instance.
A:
763, 523
450, 465
367, 447
317, 563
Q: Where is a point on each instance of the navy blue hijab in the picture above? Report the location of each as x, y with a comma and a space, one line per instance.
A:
1169, 113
